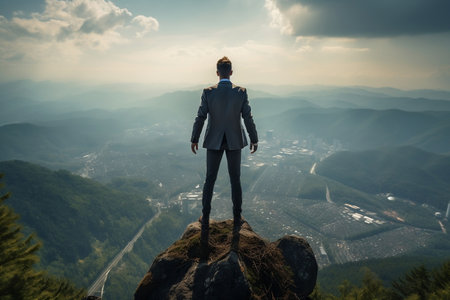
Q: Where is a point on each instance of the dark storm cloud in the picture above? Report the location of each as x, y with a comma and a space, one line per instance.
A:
365, 18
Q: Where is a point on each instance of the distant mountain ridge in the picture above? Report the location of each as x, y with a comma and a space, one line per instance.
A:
54, 143
25, 101
60, 141
362, 129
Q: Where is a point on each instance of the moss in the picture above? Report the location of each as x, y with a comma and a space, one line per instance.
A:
266, 271
253, 280
186, 248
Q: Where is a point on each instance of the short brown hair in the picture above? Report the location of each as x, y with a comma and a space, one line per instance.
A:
224, 66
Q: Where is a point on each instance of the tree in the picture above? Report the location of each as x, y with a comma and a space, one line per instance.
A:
441, 277
416, 282
372, 287
18, 279
346, 289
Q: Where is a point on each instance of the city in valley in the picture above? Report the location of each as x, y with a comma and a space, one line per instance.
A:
283, 194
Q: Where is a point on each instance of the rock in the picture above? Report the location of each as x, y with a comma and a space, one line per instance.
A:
239, 266
299, 256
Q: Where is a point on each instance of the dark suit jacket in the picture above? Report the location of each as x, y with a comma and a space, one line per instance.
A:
225, 103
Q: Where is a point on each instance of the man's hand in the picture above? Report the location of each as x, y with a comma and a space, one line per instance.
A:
194, 147
253, 147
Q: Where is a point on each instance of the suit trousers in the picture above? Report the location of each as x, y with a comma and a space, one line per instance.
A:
213, 158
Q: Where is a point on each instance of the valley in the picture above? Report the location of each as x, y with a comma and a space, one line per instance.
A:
338, 176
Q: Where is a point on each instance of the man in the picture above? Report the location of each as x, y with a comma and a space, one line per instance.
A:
224, 104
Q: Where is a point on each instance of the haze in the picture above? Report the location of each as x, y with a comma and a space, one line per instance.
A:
402, 44
351, 100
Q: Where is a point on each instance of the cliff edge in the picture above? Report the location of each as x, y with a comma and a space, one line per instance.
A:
239, 266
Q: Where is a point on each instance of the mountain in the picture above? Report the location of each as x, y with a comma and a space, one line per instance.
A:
27, 101
56, 143
239, 266
348, 97
19, 278
362, 129
359, 117
81, 223
407, 172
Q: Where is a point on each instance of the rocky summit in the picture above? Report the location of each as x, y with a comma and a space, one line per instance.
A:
238, 265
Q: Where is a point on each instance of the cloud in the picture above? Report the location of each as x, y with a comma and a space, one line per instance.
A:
340, 49
86, 22
357, 18
147, 24
278, 20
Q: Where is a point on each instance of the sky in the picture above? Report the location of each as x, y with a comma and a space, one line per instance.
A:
397, 43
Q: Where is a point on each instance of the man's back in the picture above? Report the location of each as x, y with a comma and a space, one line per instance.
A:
224, 104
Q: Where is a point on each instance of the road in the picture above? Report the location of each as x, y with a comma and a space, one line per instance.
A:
327, 195
442, 227
313, 169
97, 287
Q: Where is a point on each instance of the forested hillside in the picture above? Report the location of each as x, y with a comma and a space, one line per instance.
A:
420, 282
362, 129
406, 172
387, 270
57, 143
80, 222
124, 279
19, 278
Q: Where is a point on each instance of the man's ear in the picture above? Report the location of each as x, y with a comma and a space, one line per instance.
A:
231, 72
217, 72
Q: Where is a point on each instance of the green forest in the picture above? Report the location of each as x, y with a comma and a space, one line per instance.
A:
81, 223
21, 269
420, 283
19, 277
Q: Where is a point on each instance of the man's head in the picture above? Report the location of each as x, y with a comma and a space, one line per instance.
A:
224, 69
